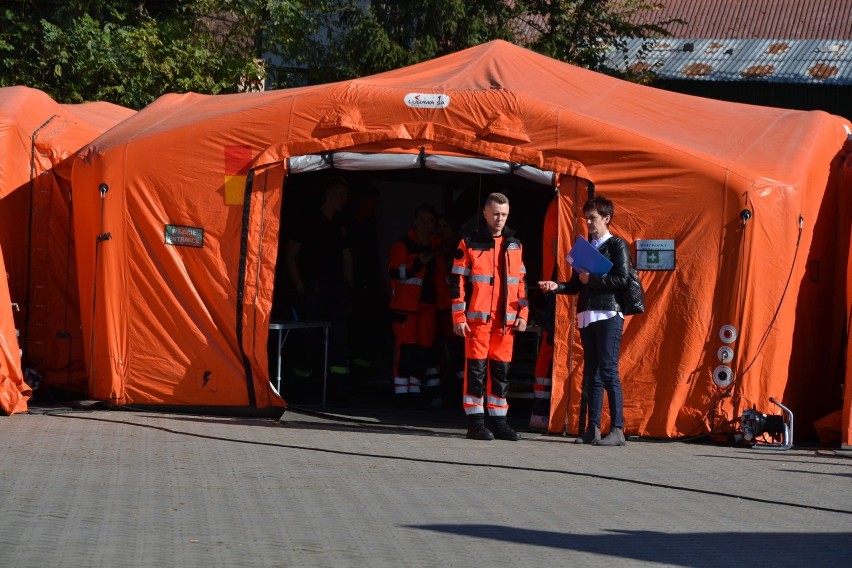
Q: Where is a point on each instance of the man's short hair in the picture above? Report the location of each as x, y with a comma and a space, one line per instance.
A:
600, 204
497, 198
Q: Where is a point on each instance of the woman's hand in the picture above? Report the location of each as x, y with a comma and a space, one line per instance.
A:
547, 286
584, 276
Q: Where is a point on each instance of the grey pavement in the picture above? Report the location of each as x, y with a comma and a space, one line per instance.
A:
112, 489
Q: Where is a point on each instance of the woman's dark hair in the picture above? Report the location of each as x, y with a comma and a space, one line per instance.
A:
600, 204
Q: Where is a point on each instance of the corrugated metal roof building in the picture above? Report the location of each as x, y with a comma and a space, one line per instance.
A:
771, 52
719, 59
754, 19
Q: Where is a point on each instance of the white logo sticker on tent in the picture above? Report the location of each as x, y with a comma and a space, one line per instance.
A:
426, 100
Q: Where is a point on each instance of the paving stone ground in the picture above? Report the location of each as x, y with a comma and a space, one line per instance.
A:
137, 489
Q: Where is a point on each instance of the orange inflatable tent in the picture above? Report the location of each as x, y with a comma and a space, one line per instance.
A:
38, 136
14, 392
746, 197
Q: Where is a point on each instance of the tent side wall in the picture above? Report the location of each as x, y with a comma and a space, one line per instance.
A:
39, 136
168, 280
729, 271
14, 392
845, 235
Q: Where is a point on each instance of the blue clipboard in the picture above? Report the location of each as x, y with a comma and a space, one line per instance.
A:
584, 256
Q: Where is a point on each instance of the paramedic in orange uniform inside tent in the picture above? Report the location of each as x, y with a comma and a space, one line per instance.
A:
416, 278
489, 262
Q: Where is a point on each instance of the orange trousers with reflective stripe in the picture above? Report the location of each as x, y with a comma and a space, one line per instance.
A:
488, 347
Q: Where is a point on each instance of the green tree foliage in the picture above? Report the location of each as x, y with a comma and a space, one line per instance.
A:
131, 52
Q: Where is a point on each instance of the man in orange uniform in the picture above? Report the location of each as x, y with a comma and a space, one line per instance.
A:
416, 281
489, 263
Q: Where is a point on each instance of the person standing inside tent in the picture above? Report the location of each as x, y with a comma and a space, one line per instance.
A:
489, 302
416, 279
600, 319
449, 346
319, 263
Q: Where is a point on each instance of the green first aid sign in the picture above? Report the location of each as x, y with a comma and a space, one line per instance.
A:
657, 254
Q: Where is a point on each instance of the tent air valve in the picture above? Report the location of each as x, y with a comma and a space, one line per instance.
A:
745, 215
103, 188
755, 424
104, 237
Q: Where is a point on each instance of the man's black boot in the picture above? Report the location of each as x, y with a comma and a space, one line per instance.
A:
502, 430
476, 429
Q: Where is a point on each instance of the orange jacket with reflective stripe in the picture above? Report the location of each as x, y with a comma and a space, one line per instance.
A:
407, 272
473, 282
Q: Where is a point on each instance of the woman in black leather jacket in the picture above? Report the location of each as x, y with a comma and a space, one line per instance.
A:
600, 321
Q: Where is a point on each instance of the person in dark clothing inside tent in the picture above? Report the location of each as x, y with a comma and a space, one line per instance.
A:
318, 261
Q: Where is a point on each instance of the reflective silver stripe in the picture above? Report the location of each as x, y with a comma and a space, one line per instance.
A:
473, 405
480, 278
511, 317
513, 280
541, 394
458, 307
497, 406
523, 303
413, 382
402, 271
496, 401
523, 269
543, 381
460, 270
433, 379
477, 315
400, 385
413, 281
414, 389
400, 381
